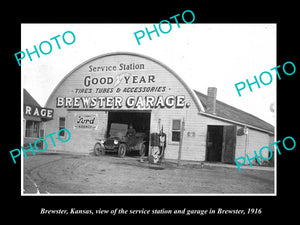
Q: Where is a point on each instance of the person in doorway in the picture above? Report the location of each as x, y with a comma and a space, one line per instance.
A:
131, 131
131, 135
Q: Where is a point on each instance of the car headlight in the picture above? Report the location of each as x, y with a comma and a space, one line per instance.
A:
116, 142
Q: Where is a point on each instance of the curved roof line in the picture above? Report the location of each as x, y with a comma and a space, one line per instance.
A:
192, 93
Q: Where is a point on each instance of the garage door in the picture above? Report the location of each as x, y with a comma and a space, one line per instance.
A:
229, 143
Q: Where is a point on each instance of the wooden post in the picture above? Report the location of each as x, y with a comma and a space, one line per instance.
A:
180, 143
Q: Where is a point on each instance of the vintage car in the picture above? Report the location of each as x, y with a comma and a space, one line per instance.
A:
118, 141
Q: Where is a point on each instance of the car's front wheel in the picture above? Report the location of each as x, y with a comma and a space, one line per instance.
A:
122, 150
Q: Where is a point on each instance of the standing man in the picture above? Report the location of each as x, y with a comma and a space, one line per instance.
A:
131, 135
131, 131
162, 144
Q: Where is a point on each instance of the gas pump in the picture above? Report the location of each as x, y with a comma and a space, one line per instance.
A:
158, 146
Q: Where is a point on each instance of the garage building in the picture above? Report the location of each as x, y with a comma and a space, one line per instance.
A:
135, 89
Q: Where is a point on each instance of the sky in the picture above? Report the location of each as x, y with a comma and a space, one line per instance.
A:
203, 55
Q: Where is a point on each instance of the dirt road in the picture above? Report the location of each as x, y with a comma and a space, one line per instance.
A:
74, 174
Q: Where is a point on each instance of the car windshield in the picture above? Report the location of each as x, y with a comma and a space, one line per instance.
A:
118, 130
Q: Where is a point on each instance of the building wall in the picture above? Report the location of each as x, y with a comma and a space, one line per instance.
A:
155, 75
254, 141
201, 123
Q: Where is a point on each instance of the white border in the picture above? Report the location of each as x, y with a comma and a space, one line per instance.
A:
153, 194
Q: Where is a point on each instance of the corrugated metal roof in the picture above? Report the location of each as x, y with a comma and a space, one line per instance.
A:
231, 113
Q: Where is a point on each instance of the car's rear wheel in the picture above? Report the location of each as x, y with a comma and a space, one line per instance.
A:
122, 150
98, 150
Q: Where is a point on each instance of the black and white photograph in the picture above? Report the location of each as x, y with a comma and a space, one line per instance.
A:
132, 112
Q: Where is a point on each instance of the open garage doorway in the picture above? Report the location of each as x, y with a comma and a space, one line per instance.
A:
220, 143
139, 120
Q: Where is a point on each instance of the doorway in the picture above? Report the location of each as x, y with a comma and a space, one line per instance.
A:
139, 120
220, 143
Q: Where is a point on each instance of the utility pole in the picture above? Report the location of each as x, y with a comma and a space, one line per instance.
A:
180, 142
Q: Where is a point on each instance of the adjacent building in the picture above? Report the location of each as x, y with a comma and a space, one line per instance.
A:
34, 117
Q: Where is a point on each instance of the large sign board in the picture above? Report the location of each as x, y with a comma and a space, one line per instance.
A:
35, 111
122, 86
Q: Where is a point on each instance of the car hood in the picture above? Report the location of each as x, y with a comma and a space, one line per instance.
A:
113, 138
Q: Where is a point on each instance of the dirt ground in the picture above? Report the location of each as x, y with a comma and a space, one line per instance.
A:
75, 174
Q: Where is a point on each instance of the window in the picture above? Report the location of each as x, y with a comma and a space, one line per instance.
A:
176, 130
61, 125
32, 128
